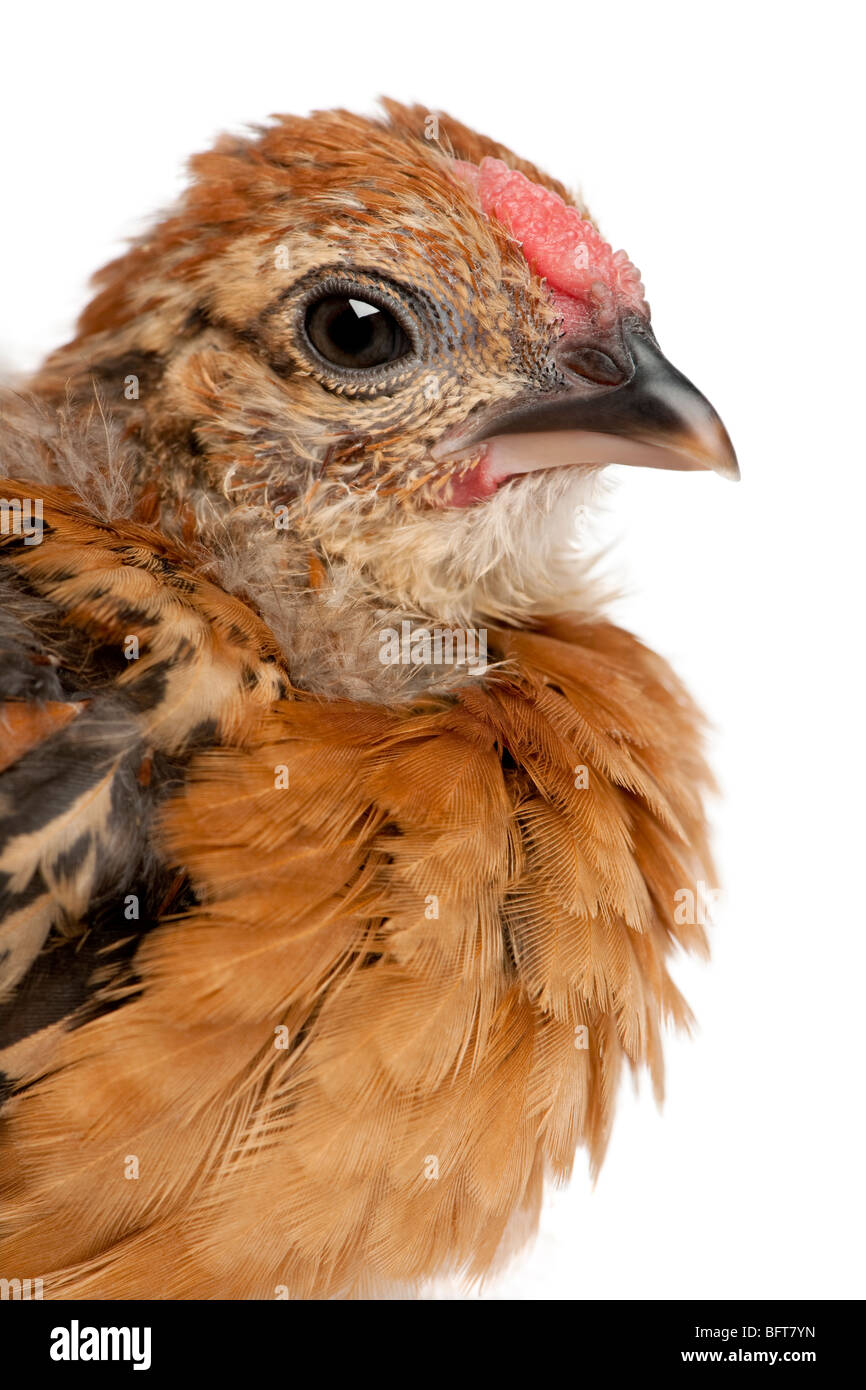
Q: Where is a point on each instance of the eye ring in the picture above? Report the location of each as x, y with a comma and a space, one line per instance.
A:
356, 331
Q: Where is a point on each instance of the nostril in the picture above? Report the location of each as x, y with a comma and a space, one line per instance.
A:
590, 363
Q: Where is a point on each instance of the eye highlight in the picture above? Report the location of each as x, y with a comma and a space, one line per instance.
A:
352, 332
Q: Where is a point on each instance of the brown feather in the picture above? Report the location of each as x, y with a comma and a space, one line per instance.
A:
411, 1039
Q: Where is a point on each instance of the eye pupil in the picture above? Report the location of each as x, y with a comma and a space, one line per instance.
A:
352, 329
352, 332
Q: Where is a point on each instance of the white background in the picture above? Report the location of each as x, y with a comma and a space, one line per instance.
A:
721, 148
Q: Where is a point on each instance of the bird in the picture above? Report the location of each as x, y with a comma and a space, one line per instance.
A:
345, 841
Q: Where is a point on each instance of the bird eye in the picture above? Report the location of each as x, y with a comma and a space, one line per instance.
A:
355, 333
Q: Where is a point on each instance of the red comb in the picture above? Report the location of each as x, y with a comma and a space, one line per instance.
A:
588, 280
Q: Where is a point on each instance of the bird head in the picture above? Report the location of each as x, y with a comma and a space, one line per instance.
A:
400, 340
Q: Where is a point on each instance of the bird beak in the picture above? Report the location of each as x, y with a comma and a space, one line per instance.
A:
623, 402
